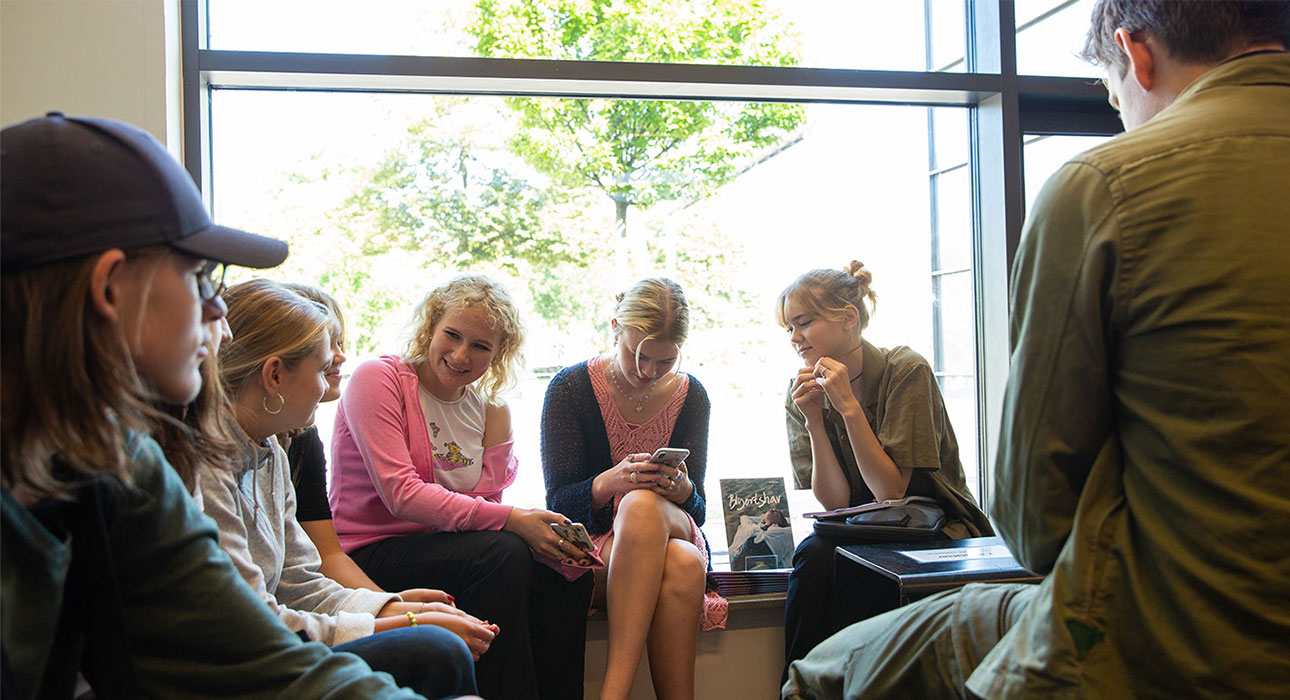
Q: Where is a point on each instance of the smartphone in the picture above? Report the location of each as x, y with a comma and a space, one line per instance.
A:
671, 456
575, 534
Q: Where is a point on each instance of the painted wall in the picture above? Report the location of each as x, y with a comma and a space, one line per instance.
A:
103, 58
742, 661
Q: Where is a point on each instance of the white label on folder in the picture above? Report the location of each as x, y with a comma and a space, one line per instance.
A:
928, 556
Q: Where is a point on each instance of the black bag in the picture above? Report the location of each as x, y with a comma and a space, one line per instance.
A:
911, 518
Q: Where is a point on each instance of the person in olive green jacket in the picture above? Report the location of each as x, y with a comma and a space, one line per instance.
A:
1144, 460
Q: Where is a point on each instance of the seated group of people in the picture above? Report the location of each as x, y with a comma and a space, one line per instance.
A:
139, 394
1143, 451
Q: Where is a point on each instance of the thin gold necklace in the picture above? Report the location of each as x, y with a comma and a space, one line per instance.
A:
640, 405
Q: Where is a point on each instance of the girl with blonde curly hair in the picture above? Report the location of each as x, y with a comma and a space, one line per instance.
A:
421, 452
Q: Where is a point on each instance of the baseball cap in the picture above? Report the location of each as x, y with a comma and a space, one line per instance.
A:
72, 186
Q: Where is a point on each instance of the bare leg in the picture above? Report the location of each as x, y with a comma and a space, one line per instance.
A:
674, 636
643, 527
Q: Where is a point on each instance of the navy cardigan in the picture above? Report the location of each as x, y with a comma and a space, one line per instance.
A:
575, 447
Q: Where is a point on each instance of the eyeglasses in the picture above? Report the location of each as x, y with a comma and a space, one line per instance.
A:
210, 281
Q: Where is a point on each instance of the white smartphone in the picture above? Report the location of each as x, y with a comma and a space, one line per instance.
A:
671, 456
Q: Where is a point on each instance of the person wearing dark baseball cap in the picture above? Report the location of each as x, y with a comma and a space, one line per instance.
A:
111, 274
78, 185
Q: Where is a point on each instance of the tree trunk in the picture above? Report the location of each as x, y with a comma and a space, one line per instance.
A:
620, 229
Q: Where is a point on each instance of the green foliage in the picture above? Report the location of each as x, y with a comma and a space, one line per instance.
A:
450, 201
639, 152
508, 189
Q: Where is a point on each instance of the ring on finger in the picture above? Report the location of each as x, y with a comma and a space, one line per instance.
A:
561, 544
634, 477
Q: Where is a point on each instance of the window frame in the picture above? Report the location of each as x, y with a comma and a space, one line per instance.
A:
1003, 108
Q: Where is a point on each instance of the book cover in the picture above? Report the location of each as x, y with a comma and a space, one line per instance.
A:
758, 525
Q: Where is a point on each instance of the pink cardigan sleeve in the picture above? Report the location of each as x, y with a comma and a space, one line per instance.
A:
372, 409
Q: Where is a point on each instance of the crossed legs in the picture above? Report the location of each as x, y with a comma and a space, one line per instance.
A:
653, 592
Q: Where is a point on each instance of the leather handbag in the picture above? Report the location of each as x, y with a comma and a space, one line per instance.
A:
910, 518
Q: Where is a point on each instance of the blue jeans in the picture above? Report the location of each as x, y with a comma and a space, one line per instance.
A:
428, 660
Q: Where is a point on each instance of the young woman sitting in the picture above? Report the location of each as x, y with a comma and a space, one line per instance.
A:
112, 274
308, 464
274, 372
864, 424
420, 455
602, 421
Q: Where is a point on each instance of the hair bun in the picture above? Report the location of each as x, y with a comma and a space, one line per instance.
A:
856, 269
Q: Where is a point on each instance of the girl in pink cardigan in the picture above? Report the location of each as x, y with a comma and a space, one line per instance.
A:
421, 452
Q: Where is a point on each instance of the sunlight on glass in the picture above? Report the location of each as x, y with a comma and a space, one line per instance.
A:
863, 34
384, 196
1043, 155
1052, 45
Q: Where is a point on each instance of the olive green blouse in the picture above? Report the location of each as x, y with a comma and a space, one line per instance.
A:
902, 403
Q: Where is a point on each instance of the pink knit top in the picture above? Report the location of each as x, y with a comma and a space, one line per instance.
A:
628, 438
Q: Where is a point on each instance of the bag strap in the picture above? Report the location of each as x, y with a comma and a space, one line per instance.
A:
94, 589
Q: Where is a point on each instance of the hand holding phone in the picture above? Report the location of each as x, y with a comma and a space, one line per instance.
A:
670, 456
575, 534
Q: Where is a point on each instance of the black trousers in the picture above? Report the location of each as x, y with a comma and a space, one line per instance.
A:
808, 611
540, 651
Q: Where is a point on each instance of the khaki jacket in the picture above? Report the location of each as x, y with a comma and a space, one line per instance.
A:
902, 403
1145, 448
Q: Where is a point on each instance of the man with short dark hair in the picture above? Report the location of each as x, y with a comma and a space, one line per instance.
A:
1144, 460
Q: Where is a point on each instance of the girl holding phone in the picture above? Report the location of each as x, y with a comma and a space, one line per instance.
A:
308, 464
421, 453
602, 421
864, 423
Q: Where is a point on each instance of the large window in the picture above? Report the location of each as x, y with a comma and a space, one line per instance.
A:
869, 34
568, 179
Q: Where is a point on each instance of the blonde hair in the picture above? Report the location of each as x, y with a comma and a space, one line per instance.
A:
827, 294
317, 295
268, 320
657, 308
71, 391
482, 294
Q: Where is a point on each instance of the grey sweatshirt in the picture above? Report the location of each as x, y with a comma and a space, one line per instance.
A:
255, 509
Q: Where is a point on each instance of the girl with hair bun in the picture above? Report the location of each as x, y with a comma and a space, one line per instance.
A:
421, 453
864, 424
601, 422
274, 370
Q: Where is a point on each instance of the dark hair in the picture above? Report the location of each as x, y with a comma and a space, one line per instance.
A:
1202, 31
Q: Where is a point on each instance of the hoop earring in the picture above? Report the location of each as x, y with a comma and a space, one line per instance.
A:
282, 405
